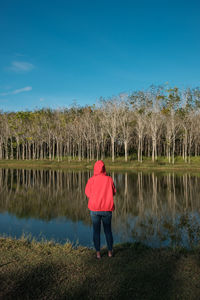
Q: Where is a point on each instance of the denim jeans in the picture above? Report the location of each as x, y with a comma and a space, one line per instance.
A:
105, 217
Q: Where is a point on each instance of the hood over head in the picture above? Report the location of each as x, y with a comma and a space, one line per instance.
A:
99, 168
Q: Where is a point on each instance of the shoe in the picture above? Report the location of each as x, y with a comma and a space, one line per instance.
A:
98, 255
110, 253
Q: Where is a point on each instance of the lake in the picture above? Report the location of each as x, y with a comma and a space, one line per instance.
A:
157, 209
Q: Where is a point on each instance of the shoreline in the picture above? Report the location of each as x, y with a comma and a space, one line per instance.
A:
118, 165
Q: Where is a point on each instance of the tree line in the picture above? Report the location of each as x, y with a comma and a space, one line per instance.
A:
159, 121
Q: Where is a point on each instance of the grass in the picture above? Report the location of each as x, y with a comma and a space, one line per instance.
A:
131, 165
45, 270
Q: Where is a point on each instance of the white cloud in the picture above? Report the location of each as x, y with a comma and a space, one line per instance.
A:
21, 66
25, 89
42, 99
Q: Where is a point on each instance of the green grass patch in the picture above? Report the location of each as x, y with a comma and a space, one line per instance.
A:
132, 164
32, 270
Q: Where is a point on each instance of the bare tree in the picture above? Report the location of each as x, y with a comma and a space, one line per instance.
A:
110, 113
125, 123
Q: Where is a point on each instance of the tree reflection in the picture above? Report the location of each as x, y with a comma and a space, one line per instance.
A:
158, 204
150, 207
44, 194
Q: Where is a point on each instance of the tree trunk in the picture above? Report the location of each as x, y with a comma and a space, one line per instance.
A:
34, 151
126, 150
185, 147
173, 149
141, 149
29, 151
138, 148
6, 148
23, 151
49, 147
113, 148
57, 150
79, 151
26, 145
1, 149
153, 150
53, 148
11, 149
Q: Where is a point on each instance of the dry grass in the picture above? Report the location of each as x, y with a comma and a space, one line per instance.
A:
31, 270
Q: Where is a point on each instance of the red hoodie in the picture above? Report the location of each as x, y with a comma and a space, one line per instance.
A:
100, 189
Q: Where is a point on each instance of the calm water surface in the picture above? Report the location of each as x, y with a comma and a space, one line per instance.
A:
156, 209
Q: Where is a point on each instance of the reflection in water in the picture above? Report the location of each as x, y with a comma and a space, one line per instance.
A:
43, 194
159, 210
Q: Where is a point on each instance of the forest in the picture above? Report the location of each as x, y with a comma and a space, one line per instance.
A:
158, 122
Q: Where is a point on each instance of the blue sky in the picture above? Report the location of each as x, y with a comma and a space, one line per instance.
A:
53, 53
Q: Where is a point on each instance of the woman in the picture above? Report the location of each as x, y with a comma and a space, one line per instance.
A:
100, 190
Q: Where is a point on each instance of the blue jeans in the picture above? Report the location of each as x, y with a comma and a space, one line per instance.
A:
105, 217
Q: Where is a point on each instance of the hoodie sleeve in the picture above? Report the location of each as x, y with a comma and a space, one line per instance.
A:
88, 189
113, 188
